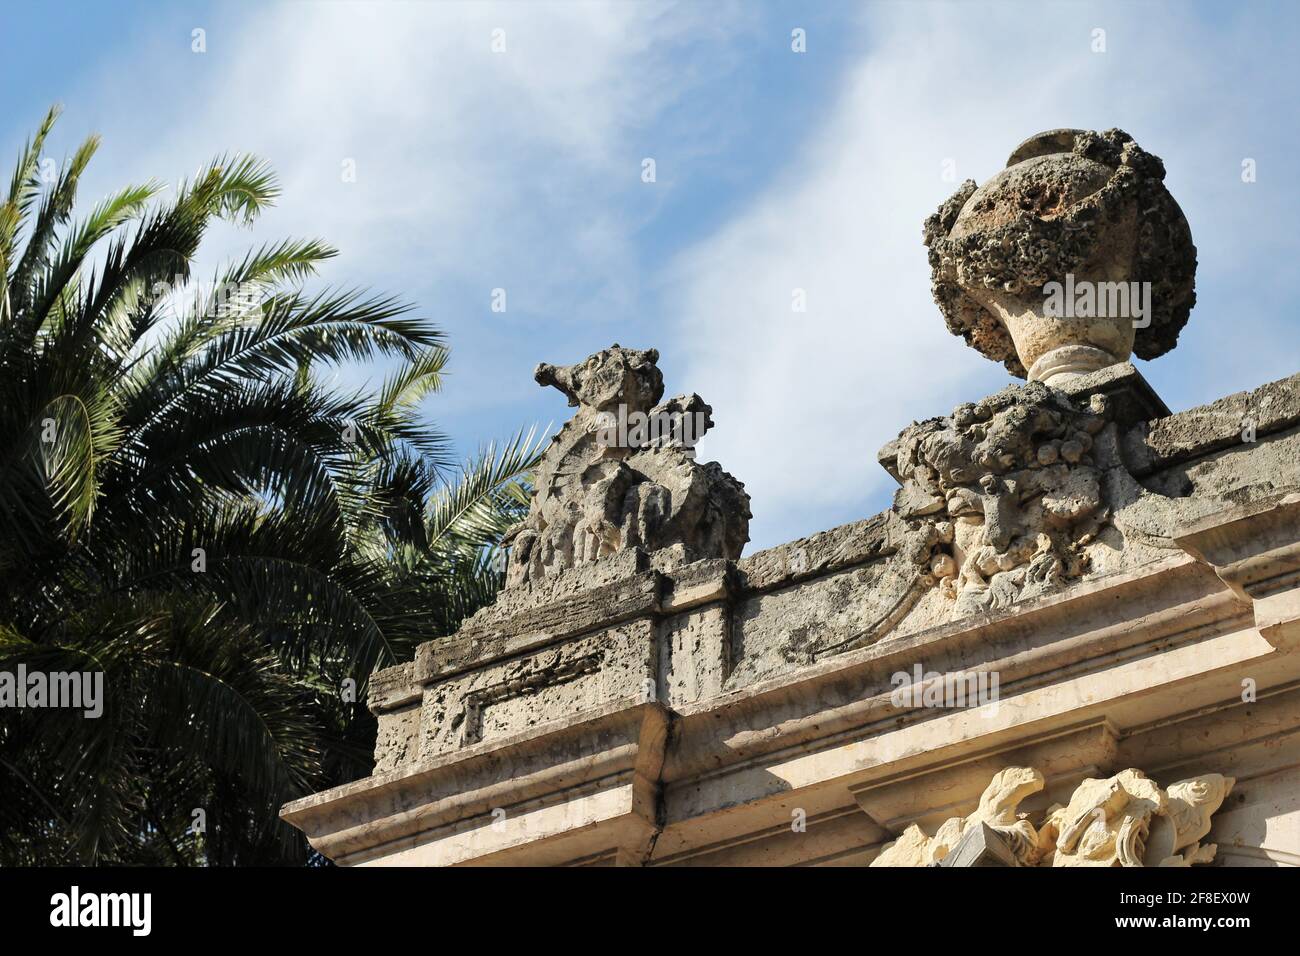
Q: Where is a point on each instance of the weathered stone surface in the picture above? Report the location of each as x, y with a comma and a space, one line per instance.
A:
693, 655
562, 586
1036, 487
539, 688
639, 695
1032, 484
1238, 419
832, 550
621, 474
1156, 655
1071, 206
1006, 494
1123, 820
392, 686
638, 595
397, 740
1059, 515
1130, 399
779, 631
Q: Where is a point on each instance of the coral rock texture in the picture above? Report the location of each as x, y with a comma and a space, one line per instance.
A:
1070, 205
1007, 494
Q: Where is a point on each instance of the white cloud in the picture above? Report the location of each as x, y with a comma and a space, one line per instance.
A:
475, 170
464, 158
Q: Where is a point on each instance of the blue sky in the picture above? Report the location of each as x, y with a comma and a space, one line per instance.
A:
775, 170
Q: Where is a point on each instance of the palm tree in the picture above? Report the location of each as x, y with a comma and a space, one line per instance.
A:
186, 509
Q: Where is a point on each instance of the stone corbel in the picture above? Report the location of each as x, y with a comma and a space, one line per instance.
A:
1255, 551
929, 796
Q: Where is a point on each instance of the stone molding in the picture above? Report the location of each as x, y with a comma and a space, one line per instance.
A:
655, 707
1120, 585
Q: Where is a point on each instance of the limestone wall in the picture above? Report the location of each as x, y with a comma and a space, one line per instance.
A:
623, 628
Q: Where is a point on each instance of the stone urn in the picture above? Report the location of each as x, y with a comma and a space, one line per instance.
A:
1071, 259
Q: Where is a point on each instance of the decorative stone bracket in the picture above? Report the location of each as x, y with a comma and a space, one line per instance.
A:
1123, 820
1255, 550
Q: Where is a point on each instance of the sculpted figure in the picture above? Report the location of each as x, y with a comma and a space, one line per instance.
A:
622, 473
1008, 492
1124, 820
1105, 822
1175, 837
998, 807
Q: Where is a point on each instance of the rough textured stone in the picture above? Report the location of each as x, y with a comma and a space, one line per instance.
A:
1005, 495
1070, 203
1035, 494
779, 631
693, 655
539, 688
621, 474
1237, 419
826, 551
1115, 574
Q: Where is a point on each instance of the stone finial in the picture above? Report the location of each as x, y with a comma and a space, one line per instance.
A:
1069, 260
622, 474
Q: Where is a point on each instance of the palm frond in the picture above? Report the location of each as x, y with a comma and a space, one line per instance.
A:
474, 512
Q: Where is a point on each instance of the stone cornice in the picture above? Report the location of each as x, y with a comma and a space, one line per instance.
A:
659, 707
644, 757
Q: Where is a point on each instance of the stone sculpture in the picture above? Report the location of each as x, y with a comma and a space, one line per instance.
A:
1105, 823
1006, 492
1175, 835
1124, 820
1074, 211
621, 474
997, 808
1011, 497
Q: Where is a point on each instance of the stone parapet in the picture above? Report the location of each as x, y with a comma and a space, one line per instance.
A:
1075, 594
647, 708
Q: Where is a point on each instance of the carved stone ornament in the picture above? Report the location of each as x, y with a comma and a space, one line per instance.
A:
1124, 820
622, 473
1007, 493
1069, 260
